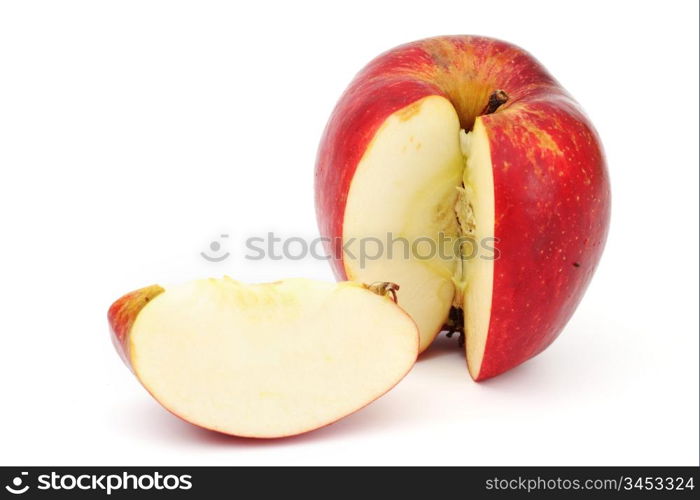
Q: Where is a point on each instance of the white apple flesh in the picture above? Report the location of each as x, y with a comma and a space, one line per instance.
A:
421, 176
267, 360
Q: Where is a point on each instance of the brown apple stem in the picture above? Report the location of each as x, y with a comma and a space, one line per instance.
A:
496, 100
384, 288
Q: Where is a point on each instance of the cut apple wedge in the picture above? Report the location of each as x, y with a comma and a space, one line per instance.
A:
266, 360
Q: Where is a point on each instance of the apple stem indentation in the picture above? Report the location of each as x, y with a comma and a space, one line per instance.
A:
384, 289
496, 100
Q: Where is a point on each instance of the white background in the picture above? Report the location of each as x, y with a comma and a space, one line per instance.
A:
133, 133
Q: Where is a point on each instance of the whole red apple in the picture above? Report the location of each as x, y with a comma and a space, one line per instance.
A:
466, 139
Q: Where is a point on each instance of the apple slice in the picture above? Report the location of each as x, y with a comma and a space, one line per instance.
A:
267, 360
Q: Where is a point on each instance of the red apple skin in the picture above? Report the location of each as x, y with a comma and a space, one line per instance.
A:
122, 314
551, 186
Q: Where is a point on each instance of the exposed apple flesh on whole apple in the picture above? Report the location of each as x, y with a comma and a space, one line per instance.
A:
467, 137
421, 177
267, 360
476, 213
407, 180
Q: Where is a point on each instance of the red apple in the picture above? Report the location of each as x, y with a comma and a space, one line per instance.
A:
466, 137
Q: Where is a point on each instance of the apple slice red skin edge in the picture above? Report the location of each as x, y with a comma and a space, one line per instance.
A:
122, 314
551, 185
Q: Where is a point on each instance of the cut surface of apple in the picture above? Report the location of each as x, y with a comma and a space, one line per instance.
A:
476, 213
266, 360
429, 186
